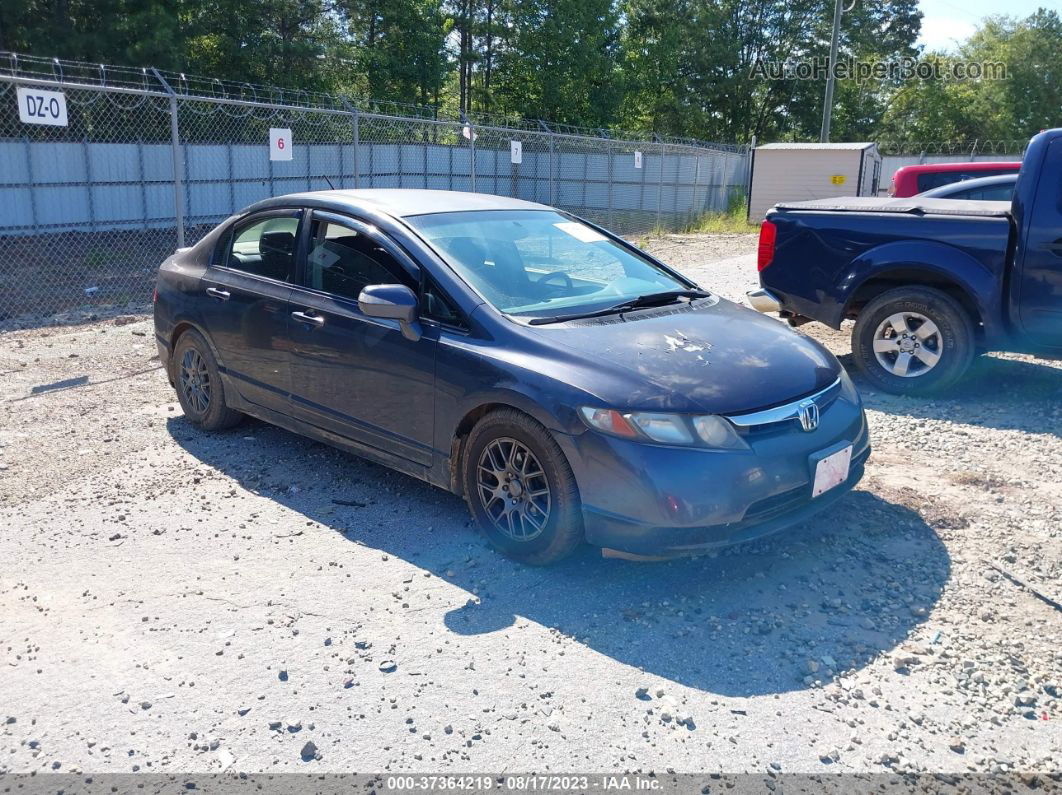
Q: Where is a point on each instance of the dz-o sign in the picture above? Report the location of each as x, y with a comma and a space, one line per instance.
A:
36, 106
279, 143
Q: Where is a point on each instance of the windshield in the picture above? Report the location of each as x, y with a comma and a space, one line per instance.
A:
536, 262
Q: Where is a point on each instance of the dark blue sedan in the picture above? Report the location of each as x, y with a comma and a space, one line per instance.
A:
571, 387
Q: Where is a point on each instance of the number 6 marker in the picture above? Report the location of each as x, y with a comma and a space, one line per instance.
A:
279, 143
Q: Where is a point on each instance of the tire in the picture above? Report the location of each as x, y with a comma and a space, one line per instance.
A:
509, 440
194, 366
930, 358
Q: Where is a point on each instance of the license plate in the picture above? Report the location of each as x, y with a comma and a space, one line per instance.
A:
832, 471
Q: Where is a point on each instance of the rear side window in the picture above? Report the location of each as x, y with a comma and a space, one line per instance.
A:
264, 248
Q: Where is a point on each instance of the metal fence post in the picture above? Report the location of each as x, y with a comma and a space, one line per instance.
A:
357, 147
178, 172
178, 160
472, 156
552, 167
549, 137
660, 188
610, 183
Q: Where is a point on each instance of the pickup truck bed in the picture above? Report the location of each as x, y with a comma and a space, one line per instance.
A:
929, 282
914, 205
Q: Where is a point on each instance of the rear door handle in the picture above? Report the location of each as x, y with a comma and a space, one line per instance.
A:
1055, 247
313, 320
221, 295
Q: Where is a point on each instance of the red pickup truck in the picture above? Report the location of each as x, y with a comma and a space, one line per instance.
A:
910, 180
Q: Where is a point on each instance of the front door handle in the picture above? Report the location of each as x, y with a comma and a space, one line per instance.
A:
1055, 247
221, 295
313, 320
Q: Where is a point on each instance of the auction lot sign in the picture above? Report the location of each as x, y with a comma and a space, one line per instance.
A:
37, 106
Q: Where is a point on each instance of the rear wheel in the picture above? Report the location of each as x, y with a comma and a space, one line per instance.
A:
520, 488
913, 340
199, 387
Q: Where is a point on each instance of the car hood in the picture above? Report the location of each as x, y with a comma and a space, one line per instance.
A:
719, 358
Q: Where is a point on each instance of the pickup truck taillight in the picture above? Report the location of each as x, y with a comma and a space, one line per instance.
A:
768, 232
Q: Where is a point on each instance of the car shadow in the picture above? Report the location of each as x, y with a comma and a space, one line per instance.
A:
1006, 394
765, 617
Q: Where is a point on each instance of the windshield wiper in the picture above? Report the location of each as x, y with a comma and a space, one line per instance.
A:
649, 299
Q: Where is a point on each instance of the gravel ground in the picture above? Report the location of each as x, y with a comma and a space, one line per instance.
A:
254, 601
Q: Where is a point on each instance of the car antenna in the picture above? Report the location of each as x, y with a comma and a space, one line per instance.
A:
326, 179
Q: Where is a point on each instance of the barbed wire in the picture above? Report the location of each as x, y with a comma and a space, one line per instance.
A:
974, 148
163, 82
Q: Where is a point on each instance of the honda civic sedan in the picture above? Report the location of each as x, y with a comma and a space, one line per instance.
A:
569, 386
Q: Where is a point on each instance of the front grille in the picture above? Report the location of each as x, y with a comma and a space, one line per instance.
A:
757, 430
770, 507
792, 499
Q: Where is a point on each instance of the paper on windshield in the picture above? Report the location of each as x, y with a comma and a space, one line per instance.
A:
580, 232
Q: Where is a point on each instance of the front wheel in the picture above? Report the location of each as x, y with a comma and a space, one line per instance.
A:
520, 488
913, 340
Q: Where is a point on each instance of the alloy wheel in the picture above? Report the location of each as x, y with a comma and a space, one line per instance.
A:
513, 489
908, 344
195, 380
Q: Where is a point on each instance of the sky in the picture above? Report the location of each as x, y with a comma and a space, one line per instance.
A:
946, 22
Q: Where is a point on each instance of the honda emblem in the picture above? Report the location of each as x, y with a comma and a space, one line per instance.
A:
808, 414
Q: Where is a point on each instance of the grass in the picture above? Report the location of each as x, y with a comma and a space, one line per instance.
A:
732, 222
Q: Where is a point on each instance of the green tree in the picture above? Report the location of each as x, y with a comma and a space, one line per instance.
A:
691, 63
558, 60
399, 48
954, 112
289, 43
130, 32
1030, 98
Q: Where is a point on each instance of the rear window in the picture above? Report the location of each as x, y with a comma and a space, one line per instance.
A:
936, 179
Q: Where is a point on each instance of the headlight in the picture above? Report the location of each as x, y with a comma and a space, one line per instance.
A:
717, 432
674, 429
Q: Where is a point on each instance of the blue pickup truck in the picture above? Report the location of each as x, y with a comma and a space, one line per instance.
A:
930, 283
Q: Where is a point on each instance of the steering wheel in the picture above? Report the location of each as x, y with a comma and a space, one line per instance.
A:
568, 283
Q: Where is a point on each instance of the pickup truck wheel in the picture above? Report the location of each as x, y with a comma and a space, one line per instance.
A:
913, 340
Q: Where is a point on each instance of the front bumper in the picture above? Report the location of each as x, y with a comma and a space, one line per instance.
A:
655, 500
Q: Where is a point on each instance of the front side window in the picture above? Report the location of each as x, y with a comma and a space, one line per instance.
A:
532, 262
343, 261
264, 248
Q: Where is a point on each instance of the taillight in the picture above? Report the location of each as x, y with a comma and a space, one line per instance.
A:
765, 253
155, 296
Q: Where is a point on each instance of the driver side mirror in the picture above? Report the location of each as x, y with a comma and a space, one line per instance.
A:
393, 302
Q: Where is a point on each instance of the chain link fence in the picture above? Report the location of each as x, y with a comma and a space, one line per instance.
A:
149, 161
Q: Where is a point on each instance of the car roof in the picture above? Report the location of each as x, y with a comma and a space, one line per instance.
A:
399, 202
979, 165
967, 184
